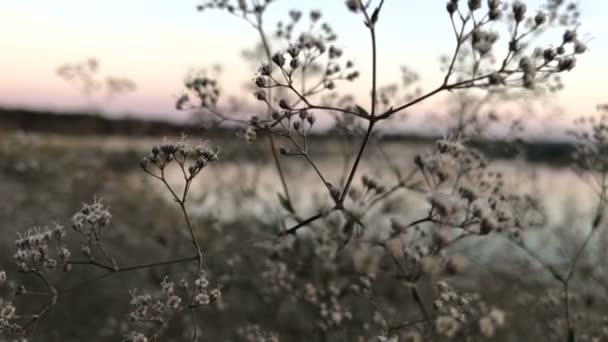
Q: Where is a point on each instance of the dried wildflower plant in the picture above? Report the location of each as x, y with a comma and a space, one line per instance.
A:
97, 90
173, 299
349, 264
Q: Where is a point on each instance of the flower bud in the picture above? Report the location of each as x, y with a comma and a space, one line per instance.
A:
260, 81
293, 51
278, 59
474, 5
526, 64
549, 54
294, 63
311, 119
295, 15
494, 14
540, 18
353, 5
283, 104
519, 11
514, 45
265, 70
260, 95
579, 47
569, 36
566, 64
451, 7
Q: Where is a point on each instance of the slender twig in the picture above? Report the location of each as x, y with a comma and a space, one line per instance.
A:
355, 166
306, 222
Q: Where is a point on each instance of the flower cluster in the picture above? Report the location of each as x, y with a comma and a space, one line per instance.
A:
591, 137
173, 299
278, 277
7, 318
91, 219
449, 160
483, 41
147, 308
42, 248
298, 69
519, 66
460, 315
7, 311
481, 198
202, 294
84, 76
90, 222
201, 92
326, 299
190, 159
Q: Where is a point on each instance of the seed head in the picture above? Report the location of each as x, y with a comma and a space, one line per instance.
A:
260, 95
265, 70
540, 18
474, 5
311, 119
494, 13
353, 5
315, 15
278, 59
260, 81
294, 63
549, 54
569, 36
566, 64
452, 6
526, 64
519, 11
579, 47
294, 51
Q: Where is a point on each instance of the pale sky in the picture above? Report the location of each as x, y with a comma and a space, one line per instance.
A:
156, 42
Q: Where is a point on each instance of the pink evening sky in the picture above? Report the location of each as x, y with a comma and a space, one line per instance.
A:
156, 42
